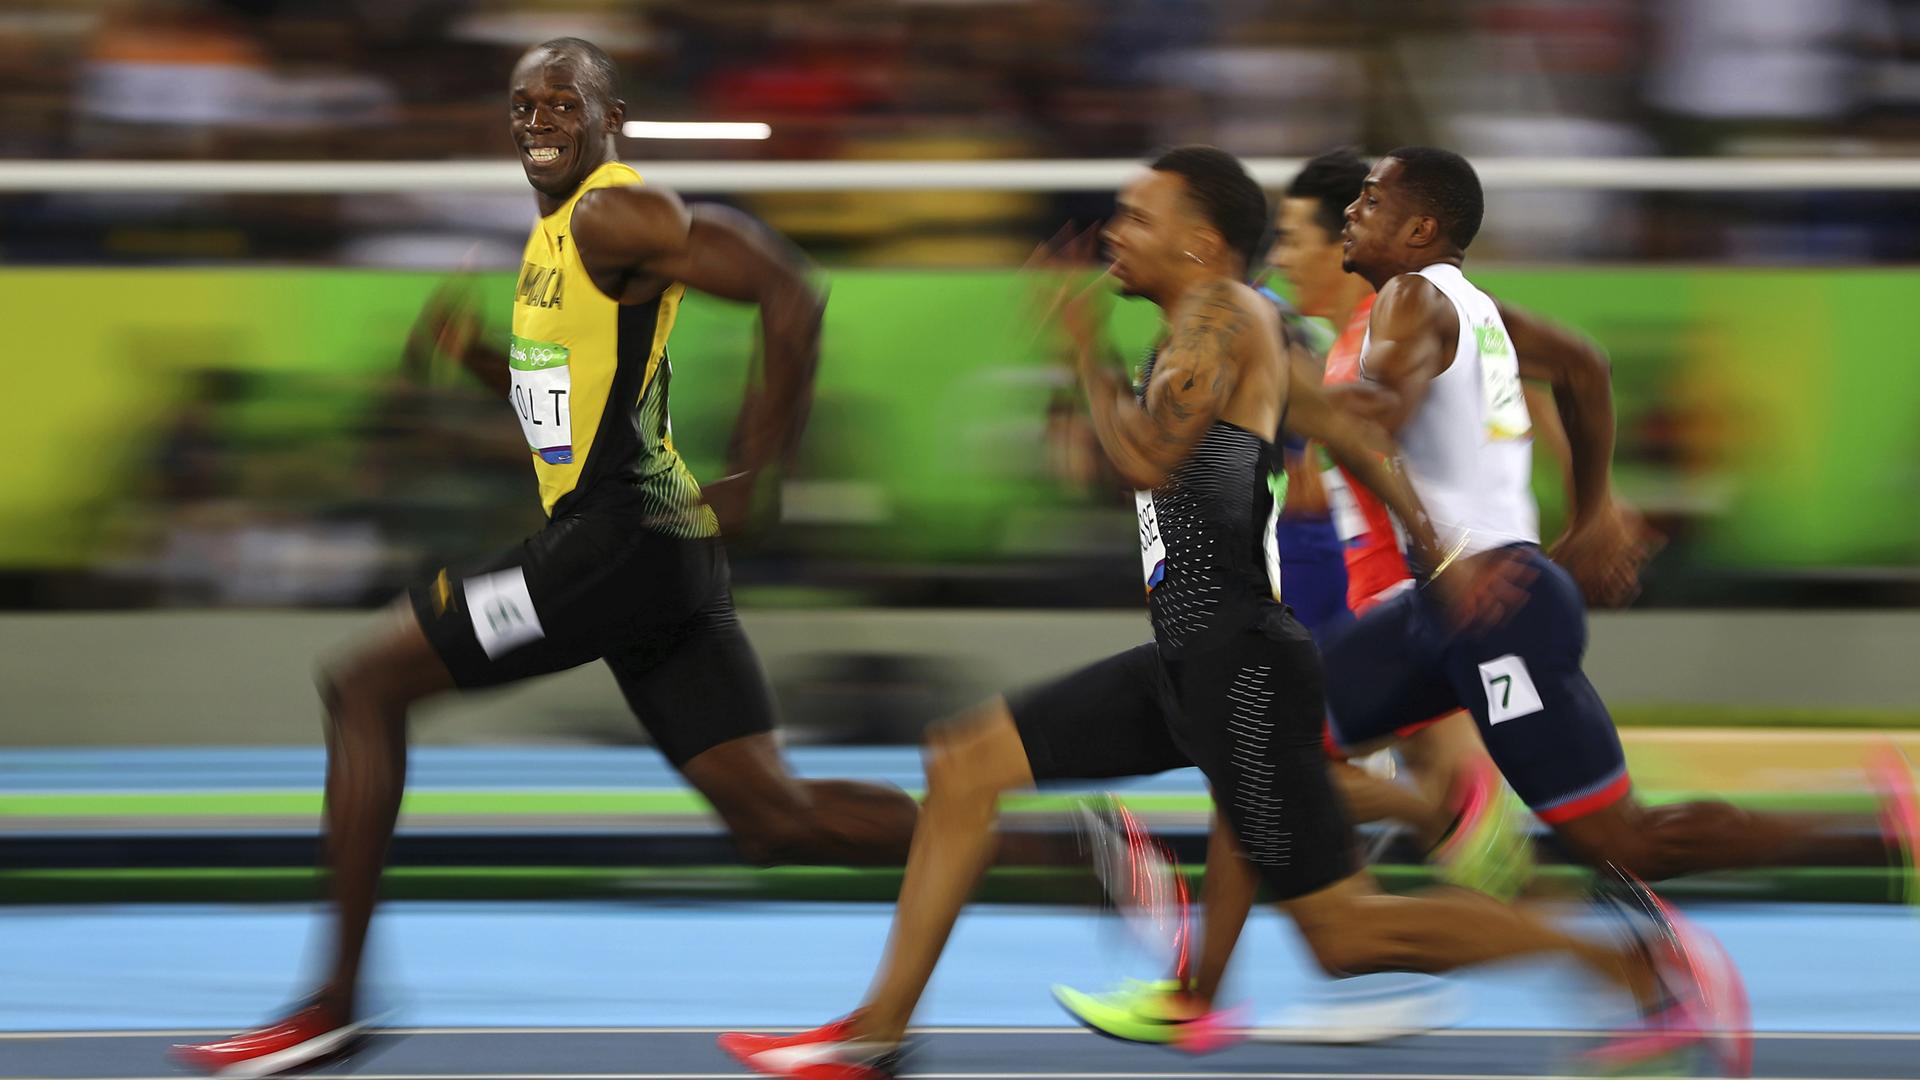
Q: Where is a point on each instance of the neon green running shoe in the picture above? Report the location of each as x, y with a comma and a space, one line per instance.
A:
1138, 1011
1147, 1012
1489, 850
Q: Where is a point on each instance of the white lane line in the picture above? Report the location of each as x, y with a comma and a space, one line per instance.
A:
1569, 1033
771, 1029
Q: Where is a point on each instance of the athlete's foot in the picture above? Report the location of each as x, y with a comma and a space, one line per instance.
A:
1698, 1001
1488, 850
311, 1035
1158, 1013
1667, 1043
832, 1052
1892, 773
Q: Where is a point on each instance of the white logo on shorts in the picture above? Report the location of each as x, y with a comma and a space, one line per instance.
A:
502, 611
1509, 688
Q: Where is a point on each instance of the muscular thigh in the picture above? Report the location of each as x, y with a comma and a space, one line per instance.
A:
695, 684
1105, 720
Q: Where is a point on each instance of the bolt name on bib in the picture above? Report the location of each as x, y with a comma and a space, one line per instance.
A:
541, 385
540, 286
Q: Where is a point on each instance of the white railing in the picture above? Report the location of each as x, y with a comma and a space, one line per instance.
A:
324, 177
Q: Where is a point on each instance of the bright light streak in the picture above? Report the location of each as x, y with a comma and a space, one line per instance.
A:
666, 129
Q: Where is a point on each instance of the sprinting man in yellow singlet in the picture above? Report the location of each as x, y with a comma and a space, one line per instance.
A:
629, 568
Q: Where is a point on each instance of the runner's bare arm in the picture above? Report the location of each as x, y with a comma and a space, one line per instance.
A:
1412, 334
1582, 381
1193, 380
649, 232
1605, 543
1548, 432
450, 325
1306, 492
1363, 448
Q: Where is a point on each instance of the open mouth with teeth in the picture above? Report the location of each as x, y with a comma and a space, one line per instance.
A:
543, 155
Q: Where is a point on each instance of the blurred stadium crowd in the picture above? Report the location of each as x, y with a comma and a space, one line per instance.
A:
961, 79
233, 461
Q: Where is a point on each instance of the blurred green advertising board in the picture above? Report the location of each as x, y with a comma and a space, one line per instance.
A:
1781, 408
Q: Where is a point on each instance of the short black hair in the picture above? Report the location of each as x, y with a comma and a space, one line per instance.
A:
1334, 179
1225, 192
1446, 186
599, 65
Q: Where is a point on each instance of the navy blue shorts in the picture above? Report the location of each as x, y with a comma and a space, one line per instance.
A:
1542, 721
1313, 573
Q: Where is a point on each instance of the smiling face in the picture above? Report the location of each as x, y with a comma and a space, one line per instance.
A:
562, 119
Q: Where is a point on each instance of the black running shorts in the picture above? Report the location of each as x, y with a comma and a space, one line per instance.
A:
596, 586
1248, 712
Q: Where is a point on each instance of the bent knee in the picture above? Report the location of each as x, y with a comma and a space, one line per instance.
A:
359, 677
1672, 840
959, 775
1627, 837
783, 827
778, 842
380, 677
976, 755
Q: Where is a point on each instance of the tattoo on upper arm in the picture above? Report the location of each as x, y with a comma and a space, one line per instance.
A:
1201, 356
1211, 329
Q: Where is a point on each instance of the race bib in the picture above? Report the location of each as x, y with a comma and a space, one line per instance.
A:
1506, 401
1509, 688
541, 381
502, 611
1153, 550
